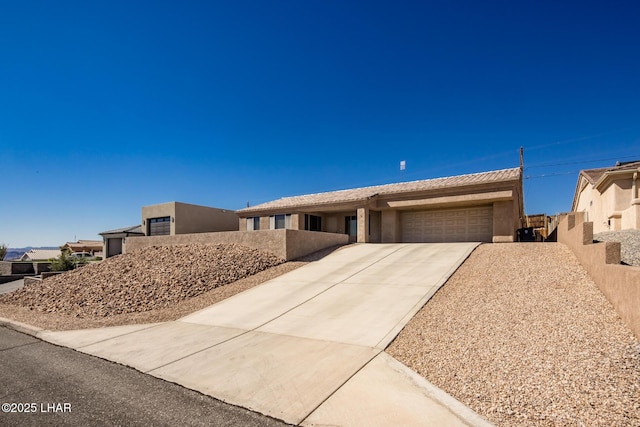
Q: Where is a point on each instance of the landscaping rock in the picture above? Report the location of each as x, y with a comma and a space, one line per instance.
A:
522, 335
143, 280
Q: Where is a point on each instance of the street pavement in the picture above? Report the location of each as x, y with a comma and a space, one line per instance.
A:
5, 288
43, 384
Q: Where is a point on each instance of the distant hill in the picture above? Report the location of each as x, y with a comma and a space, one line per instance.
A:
15, 253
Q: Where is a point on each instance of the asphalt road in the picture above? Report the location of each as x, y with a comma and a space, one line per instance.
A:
43, 384
5, 288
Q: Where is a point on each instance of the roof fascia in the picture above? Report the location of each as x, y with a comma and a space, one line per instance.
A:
608, 177
582, 183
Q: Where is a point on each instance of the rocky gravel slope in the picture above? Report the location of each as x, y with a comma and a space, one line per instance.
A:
523, 336
148, 279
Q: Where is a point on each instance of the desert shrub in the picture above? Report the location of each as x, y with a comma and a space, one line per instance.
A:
66, 262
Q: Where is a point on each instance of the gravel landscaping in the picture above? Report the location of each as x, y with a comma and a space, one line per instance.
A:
519, 333
523, 336
34, 306
629, 244
154, 277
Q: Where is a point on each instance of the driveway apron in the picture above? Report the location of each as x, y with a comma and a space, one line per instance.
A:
306, 347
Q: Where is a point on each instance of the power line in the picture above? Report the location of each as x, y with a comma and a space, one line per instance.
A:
546, 175
579, 139
580, 161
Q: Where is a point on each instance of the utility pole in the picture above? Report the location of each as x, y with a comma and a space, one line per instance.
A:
521, 159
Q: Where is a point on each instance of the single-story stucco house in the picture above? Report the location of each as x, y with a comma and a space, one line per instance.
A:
40, 254
484, 207
94, 247
609, 197
170, 219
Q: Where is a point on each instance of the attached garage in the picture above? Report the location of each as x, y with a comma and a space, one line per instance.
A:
114, 241
447, 225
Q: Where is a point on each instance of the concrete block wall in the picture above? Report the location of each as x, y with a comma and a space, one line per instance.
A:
286, 244
619, 283
11, 267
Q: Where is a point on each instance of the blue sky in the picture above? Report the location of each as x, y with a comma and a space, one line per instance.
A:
108, 106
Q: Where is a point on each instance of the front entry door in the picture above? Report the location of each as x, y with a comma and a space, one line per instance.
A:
351, 227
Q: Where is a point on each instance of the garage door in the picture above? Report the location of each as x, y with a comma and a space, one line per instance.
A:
159, 226
114, 246
450, 225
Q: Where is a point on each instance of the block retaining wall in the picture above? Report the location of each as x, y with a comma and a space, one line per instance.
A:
287, 244
619, 283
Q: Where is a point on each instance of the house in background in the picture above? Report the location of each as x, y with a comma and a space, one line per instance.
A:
483, 207
114, 241
169, 219
40, 254
609, 197
94, 247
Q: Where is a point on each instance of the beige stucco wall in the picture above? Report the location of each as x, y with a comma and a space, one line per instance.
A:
611, 210
619, 283
158, 211
187, 218
287, 244
504, 222
202, 219
631, 217
390, 226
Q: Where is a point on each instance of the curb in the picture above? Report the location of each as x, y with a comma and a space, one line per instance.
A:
21, 327
459, 409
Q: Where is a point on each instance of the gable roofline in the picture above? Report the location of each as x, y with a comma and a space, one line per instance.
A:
595, 175
130, 229
599, 176
366, 193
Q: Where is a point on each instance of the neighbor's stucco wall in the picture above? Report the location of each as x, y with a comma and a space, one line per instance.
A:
187, 218
619, 283
203, 219
611, 210
287, 244
159, 211
631, 217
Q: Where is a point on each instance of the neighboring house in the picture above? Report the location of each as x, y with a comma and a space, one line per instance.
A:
94, 247
609, 196
169, 219
484, 207
114, 241
40, 254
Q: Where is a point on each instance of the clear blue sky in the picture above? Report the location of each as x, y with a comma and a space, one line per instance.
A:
107, 106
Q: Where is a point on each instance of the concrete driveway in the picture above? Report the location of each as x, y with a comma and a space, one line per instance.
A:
306, 347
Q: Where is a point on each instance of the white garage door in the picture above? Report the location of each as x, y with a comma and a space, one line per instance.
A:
450, 225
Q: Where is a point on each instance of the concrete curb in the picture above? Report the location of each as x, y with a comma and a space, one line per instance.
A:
21, 327
463, 412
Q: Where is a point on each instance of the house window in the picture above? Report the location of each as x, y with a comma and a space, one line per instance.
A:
253, 223
280, 221
312, 222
